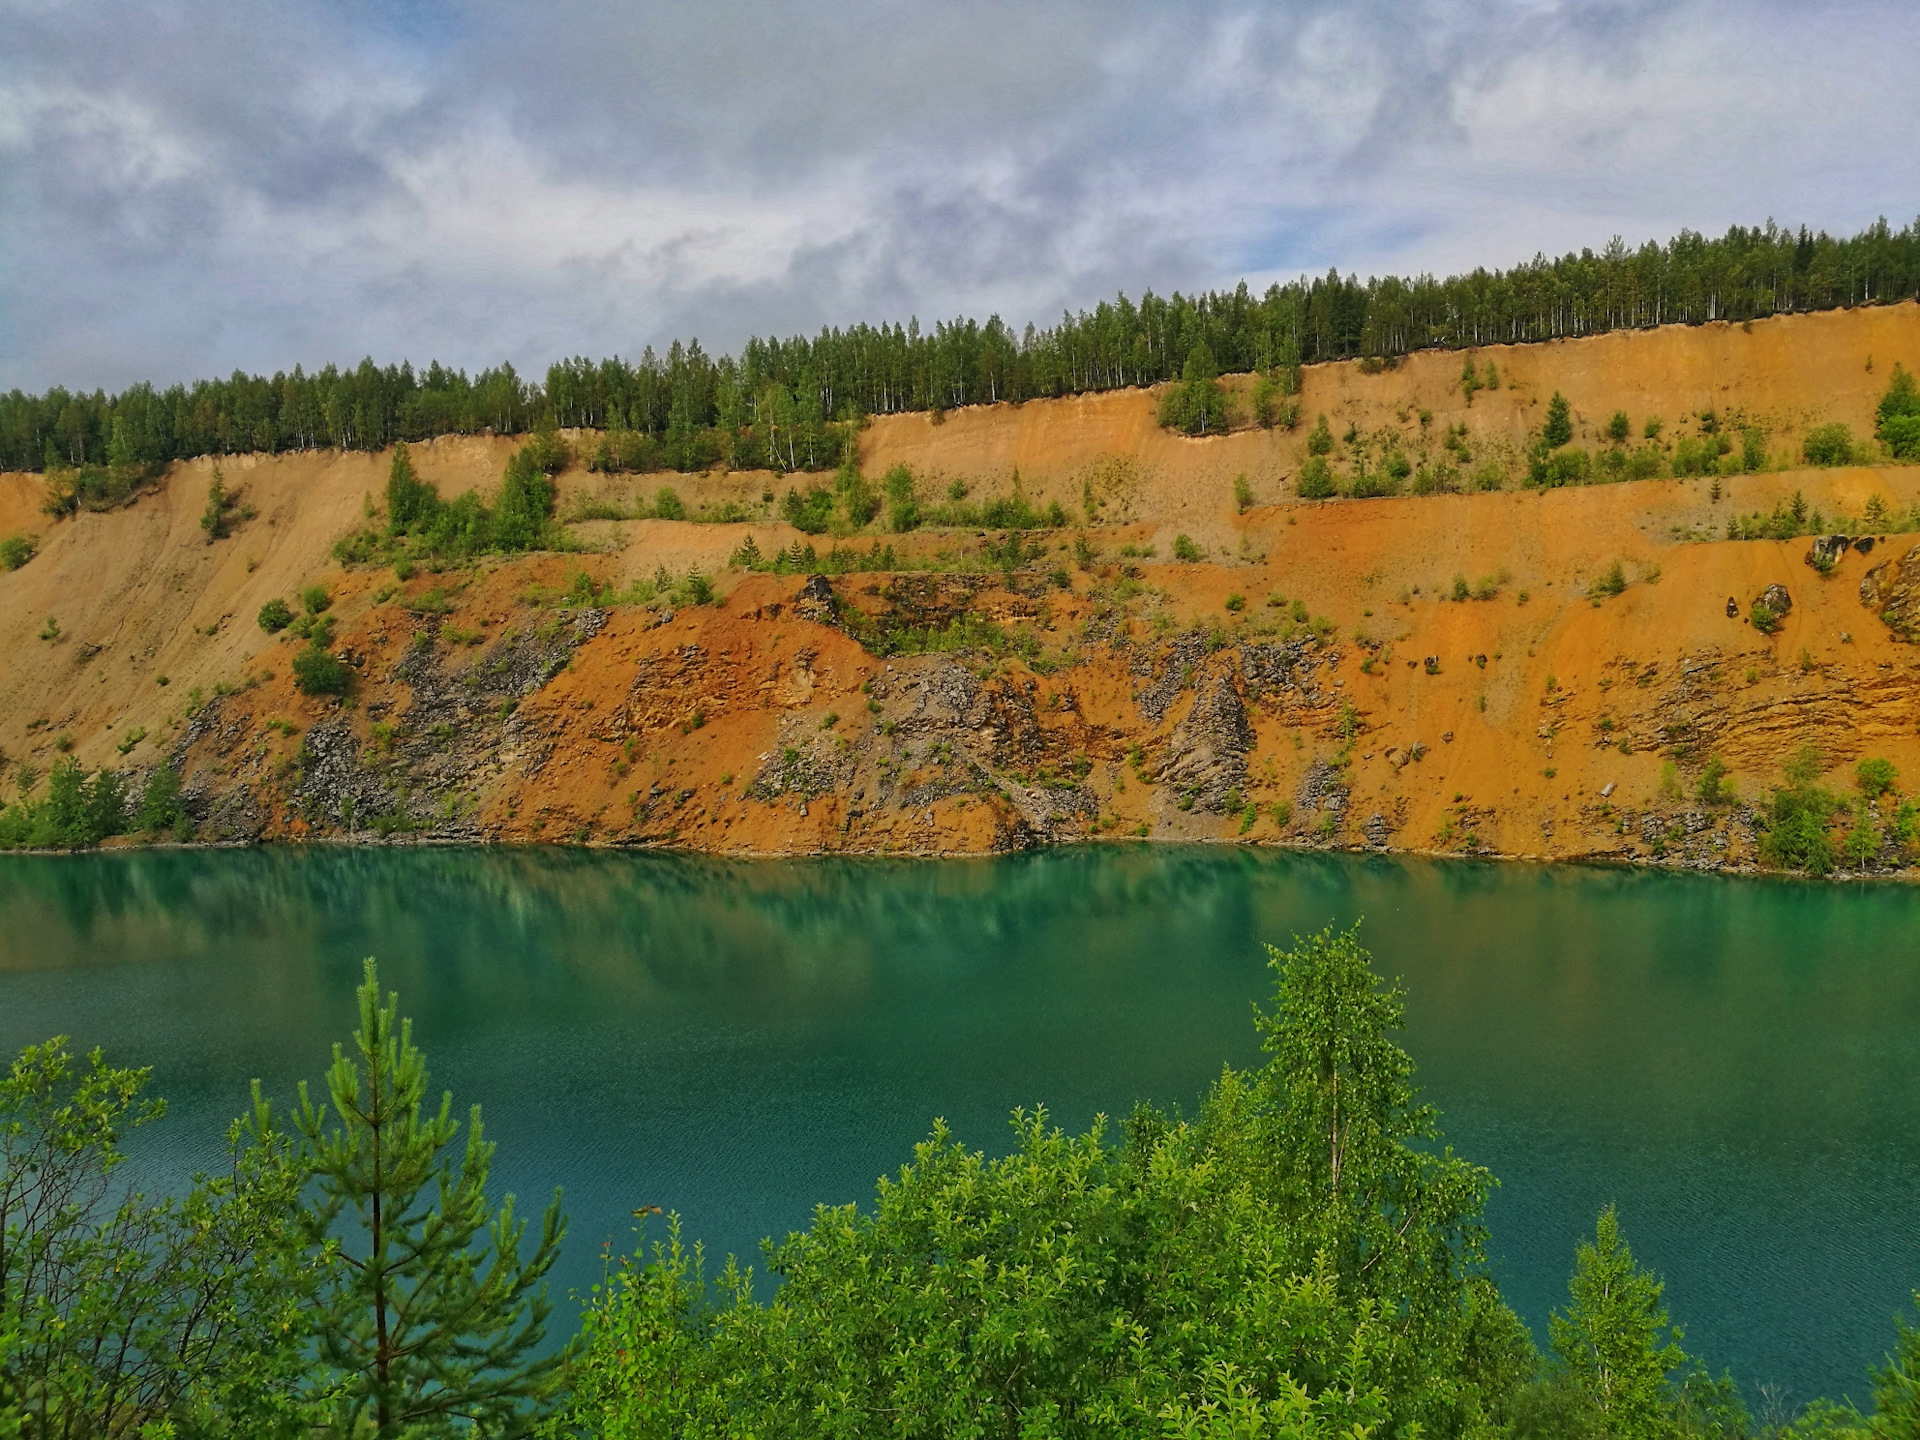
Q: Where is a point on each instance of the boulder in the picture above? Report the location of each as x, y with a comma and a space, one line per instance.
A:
817, 601
1828, 551
1864, 544
1776, 599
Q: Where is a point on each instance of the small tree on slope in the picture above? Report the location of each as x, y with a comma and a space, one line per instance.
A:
432, 1318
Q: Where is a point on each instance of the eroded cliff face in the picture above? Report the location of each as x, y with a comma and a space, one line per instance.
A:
1312, 680
763, 725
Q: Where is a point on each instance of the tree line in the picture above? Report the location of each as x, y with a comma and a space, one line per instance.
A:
1300, 1258
784, 403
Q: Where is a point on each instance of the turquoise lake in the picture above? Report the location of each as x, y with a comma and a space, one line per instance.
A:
1734, 1062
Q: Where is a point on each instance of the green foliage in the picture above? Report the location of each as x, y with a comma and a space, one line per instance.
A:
768, 406
317, 671
1897, 417
546, 451
1571, 466
1875, 776
1613, 1348
77, 811
1320, 438
429, 1316
1612, 582
667, 504
17, 550
1795, 834
161, 809
274, 616
1862, 841
1713, 788
1196, 404
1828, 445
1270, 406
1753, 449
1242, 492
316, 599
1618, 427
811, 513
1186, 551
1558, 429
213, 520
122, 1316
1213, 1277
521, 514
410, 500
1764, 620
1316, 480
903, 510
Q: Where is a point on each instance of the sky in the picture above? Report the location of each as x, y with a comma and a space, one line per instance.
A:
190, 188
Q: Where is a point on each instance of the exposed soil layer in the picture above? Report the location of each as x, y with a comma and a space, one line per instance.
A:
1141, 698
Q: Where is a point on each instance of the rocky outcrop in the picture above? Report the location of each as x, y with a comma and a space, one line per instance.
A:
1828, 551
1206, 764
1891, 590
1322, 788
1775, 598
1168, 672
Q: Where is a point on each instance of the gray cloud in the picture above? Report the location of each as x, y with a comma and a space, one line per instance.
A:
187, 188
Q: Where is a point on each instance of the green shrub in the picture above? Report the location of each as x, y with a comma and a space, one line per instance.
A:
1618, 427
213, 520
319, 672
546, 451
1320, 438
1764, 620
667, 504
315, 599
16, 550
1862, 841
274, 616
1195, 404
1558, 430
1828, 445
1898, 416
160, 805
1185, 550
903, 510
1713, 788
1875, 777
525, 506
1316, 480
1795, 835
1612, 581
811, 513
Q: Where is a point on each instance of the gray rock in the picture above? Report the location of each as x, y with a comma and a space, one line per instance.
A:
816, 600
1828, 551
1207, 752
1776, 599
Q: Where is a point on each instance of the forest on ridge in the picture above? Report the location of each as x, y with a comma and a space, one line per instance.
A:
789, 404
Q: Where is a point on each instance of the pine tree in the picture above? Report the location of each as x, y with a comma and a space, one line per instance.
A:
1610, 1341
1559, 427
432, 1318
410, 500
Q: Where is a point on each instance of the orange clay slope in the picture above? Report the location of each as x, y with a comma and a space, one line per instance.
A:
570, 697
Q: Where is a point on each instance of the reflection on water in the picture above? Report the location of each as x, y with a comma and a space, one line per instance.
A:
1729, 1060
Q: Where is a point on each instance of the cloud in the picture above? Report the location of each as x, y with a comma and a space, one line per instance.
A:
187, 188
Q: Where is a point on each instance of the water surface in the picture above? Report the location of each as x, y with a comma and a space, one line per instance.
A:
1732, 1061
